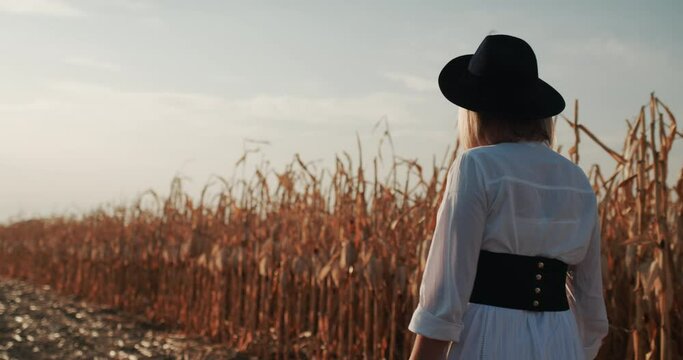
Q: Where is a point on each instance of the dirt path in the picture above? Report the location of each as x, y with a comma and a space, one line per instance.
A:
37, 324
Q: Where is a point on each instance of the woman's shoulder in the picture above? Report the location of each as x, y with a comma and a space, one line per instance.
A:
523, 160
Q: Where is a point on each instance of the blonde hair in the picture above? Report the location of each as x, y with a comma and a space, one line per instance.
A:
477, 129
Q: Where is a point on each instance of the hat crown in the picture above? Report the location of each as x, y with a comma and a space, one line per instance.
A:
505, 58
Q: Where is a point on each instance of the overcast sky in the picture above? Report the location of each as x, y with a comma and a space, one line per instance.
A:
101, 100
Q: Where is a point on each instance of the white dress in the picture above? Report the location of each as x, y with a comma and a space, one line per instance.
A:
520, 198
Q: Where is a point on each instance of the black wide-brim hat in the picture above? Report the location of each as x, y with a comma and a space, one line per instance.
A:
500, 78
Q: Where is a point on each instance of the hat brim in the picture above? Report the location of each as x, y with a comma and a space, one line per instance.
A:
533, 101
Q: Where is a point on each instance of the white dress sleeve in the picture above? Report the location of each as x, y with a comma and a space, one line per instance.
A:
588, 303
451, 264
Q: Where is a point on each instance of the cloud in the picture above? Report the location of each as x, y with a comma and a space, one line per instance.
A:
610, 52
412, 82
135, 5
276, 108
39, 7
93, 116
92, 63
152, 22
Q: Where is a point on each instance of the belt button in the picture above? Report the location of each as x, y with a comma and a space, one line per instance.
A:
539, 276
537, 290
535, 303
540, 264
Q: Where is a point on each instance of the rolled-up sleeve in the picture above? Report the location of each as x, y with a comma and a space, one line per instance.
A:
588, 303
451, 265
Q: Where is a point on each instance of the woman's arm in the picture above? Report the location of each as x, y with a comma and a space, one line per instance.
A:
428, 348
588, 299
451, 263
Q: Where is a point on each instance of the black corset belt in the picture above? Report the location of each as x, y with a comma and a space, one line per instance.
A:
520, 282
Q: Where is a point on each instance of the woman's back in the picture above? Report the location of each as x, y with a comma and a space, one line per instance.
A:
518, 198
539, 203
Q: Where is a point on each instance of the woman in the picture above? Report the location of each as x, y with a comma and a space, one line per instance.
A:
516, 216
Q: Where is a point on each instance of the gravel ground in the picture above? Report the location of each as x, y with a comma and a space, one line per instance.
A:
38, 324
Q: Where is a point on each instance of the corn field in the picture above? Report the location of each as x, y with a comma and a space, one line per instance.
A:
300, 269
